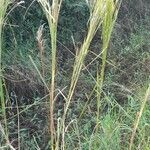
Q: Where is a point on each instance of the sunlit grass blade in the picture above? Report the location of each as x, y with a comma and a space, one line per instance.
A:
112, 8
98, 11
95, 21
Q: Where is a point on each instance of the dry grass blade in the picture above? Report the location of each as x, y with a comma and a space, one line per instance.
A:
99, 15
94, 23
51, 10
109, 19
41, 44
8, 144
139, 115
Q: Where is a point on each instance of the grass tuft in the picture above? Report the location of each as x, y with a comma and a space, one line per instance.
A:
3, 8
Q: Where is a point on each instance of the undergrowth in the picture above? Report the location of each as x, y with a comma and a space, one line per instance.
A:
74, 82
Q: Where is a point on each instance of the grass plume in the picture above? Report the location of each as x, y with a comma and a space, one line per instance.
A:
109, 19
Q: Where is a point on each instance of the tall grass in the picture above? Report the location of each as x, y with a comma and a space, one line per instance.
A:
3, 8
102, 13
51, 10
3, 124
138, 117
109, 19
111, 131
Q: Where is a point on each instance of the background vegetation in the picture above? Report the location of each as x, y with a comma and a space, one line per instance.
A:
124, 115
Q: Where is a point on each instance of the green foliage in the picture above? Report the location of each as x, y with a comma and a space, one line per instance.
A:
25, 21
122, 94
73, 21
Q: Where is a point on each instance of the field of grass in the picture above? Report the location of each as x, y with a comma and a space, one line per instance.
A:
74, 75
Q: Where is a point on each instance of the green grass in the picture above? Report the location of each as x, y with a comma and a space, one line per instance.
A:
3, 8
98, 99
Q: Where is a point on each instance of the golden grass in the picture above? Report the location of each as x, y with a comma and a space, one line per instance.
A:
102, 14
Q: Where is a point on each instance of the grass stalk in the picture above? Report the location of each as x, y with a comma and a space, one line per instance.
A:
3, 8
139, 115
102, 12
105, 13
107, 27
99, 15
51, 11
95, 21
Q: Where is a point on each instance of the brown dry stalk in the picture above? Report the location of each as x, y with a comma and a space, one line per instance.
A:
40, 44
51, 10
